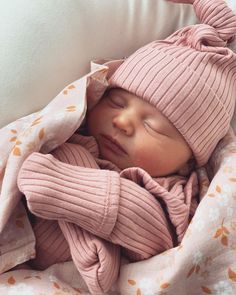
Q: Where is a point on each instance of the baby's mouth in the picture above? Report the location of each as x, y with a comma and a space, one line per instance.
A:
113, 145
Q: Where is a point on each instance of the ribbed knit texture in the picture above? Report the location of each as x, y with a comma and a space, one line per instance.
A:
91, 193
189, 77
85, 201
51, 245
92, 208
97, 260
54, 190
99, 201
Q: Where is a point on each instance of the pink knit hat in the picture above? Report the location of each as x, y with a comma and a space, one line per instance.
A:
189, 76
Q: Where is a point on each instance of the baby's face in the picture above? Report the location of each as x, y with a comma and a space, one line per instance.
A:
132, 133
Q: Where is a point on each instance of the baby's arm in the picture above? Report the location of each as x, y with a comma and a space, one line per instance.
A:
97, 260
99, 201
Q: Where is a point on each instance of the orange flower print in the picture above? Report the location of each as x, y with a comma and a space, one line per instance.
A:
232, 179
217, 190
16, 149
165, 285
71, 108
145, 286
194, 269
222, 233
197, 259
232, 275
131, 282
206, 290
56, 285
68, 89
14, 134
223, 192
11, 280
14, 287
41, 134
37, 121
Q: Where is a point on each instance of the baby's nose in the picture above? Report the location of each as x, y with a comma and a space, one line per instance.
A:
124, 123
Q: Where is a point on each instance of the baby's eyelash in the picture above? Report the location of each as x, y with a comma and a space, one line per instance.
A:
147, 125
152, 130
116, 102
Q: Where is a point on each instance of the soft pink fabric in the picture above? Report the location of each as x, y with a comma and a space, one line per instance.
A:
129, 209
189, 76
203, 262
97, 260
121, 208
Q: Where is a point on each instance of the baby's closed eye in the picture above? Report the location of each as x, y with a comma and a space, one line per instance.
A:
154, 128
116, 101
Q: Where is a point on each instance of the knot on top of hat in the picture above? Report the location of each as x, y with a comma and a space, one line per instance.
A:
202, 38
216, 14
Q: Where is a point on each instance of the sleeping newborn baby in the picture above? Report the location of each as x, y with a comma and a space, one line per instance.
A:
131, 132
130, 184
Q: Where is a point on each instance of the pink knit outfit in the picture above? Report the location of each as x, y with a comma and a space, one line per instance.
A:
145, 216
91, 209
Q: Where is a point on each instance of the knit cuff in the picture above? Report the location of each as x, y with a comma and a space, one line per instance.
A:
84, 196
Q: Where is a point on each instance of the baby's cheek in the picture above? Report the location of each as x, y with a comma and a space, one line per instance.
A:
143, 159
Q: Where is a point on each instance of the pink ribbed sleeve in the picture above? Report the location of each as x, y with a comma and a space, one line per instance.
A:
99, 201
97, 260
51, 246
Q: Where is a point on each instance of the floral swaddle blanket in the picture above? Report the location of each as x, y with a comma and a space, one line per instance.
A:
204, 262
